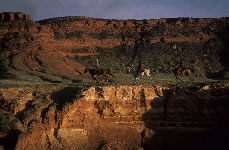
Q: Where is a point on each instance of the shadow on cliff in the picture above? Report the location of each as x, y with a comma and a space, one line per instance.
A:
166, 129
67, 95
224, 60
225, 53
9, 142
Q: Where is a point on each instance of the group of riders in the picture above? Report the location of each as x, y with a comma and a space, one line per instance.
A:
178, 71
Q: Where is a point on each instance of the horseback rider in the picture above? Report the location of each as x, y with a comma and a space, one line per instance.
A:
181, 64
97, 64
180, 67
140, 67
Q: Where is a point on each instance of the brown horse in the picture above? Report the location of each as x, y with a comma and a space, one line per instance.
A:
185, 71
171, 69
179, 71
98, 72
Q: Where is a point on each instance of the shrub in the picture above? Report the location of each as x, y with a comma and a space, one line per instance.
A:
58, 36
74, 34
102, 35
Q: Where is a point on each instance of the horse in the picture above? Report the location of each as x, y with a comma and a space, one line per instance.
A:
179, 71
142, 73
170, 69
185, 71
98, 72
145, 72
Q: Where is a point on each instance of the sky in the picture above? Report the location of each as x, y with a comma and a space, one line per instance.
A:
118, 9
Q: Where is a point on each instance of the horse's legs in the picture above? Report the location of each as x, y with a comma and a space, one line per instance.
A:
106, 78
188, 73
148, 75
177, 77
190, 76
136, 78
94, 77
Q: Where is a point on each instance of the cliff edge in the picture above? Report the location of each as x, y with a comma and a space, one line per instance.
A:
114, 117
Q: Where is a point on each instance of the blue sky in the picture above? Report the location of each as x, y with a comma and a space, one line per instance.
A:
118, 9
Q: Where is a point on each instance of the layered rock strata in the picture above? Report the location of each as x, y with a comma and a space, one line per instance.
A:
117, 117
53, 46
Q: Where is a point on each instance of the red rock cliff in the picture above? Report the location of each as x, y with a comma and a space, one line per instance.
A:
115, 117
52, 46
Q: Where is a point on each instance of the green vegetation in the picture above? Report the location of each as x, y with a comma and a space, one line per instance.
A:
62, 20
70, 35
103, 35
121, 78
157, 57
74, 34
58, 36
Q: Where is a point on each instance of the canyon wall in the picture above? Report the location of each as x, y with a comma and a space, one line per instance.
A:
63, 46
116, 117
72, 116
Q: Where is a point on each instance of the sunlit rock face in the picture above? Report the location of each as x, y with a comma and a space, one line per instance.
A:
14, 16
119, 117
51, 46
106, 117
100, 117
111, 117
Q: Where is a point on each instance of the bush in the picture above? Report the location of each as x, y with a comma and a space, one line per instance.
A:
58, 36
102, 35
74, 34
70, 35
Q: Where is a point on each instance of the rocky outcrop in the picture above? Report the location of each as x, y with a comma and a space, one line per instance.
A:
190, 118
116, 117
14, 16
103, 117
56, 46
28, 46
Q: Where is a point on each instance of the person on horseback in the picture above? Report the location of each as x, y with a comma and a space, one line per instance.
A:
140, 67
181, 64
97, 64
180, 67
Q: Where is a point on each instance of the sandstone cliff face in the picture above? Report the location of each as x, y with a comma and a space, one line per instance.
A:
102, 117
110, 117
28, 46
190, 118
54, 46
11, 16
115, 117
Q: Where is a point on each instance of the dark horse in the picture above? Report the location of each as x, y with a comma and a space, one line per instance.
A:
179, 71
98, 72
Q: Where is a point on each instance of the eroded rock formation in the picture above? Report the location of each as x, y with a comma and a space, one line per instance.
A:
11, 16
55, 46
116, 117
111, 117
